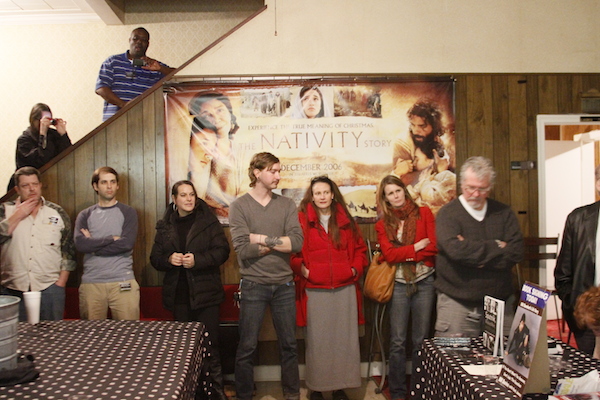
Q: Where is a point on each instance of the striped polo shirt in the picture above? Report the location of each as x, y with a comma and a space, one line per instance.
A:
126, 80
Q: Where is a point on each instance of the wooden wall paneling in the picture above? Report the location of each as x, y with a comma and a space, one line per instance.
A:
159, 173
230, 270
50, 184
100, 149
150, 276
84, 158
368, 232
519, 145
590, 81
596, 158
117, 156
461, 122
532, 101
548, 94
519, 150
135, 156
533, 98
576, 90
161, 185
479, 116
564, 83
501, 136
65, 182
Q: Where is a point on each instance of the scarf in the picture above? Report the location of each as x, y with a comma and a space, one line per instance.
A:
409, 214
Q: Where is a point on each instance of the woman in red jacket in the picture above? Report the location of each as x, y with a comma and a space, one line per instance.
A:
329, 303
406, 234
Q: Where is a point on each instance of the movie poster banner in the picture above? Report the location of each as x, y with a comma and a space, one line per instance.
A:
356, 133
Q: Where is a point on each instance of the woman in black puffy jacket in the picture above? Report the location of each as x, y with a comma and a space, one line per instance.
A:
190, 246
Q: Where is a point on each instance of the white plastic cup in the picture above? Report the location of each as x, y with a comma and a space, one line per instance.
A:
32, 305
492, 366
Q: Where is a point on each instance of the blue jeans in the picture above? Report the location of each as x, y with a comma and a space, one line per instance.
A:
52, 307
255, 299
419, 306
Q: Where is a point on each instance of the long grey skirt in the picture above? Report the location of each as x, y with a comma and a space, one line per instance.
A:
332, 348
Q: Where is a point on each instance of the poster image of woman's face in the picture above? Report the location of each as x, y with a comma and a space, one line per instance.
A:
217, 114
312, 103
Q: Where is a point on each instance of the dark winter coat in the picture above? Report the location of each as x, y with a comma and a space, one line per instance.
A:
207, 240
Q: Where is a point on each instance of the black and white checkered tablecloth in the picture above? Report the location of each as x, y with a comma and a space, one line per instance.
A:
439, 375
120, 360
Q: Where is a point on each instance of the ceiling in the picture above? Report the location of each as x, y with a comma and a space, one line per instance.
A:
25, 12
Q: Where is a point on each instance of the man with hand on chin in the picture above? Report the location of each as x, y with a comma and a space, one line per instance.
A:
37, 246
106, 233
123, 77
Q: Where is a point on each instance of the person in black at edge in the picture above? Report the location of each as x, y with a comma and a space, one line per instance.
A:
44, 139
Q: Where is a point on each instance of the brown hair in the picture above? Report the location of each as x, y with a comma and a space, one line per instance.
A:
430, 112
260, 161
103, 170
385, 209
175, 188
587, 308
200, 123
333, 228
26, 171
36, 114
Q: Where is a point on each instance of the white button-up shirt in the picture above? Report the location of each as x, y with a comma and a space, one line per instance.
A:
38, 249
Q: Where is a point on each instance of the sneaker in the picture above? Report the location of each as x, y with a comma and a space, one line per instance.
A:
316, 396
339, 395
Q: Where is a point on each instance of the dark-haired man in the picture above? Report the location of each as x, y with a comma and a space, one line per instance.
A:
106, 233
37, 246
264, 231
123, 77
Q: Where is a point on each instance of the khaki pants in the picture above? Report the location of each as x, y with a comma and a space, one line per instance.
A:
452, 316
96, 298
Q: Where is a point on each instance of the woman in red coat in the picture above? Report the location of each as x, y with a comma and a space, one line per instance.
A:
406, 234
329, 304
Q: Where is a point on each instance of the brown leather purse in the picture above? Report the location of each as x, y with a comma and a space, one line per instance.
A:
379, 281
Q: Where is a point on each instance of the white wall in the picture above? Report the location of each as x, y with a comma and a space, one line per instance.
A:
411, 36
